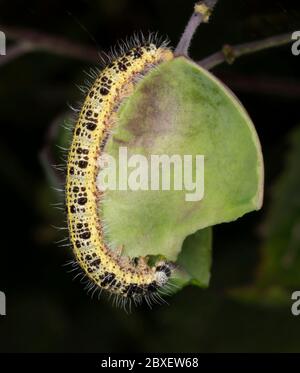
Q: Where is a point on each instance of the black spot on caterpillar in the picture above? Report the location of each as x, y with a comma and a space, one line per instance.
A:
128, 279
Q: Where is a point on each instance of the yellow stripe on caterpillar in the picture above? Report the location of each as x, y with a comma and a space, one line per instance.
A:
104, 268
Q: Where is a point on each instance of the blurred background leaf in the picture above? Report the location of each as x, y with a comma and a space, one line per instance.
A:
278, 273
281, 246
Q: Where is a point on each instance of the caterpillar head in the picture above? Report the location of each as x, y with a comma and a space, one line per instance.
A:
163, 272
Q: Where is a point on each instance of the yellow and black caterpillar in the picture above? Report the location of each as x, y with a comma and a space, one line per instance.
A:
130, 279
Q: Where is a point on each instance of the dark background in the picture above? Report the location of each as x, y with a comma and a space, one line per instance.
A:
46, 310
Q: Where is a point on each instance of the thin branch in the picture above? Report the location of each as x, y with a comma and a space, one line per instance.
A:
15, 51
202, 12
54, 44
263, 85
30, 40
230, 53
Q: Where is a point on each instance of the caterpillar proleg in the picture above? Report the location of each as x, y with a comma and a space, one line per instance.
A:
105, 268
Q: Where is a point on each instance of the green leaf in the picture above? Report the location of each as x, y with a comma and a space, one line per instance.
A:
281, 248
279, 273
195, 259
180, 108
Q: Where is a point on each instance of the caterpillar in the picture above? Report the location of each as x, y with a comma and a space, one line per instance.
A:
129, 279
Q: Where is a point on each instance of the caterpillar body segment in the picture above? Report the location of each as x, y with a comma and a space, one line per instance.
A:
105, 268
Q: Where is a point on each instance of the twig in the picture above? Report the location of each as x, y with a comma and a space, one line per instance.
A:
262, 85
202, 12
230, 53
15, 51
30, 40
54, 44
